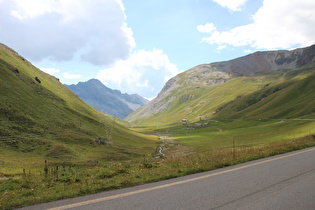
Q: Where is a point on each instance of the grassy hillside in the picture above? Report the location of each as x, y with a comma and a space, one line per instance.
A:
273, 95
41, 119
261, 109
292, 96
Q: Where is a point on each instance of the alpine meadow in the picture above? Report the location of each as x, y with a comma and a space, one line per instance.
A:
55, 146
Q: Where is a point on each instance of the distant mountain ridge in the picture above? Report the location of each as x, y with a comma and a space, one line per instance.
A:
267, 61
194, 83
106, 100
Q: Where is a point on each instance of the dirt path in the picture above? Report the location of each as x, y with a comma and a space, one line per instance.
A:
219, 129
172, 149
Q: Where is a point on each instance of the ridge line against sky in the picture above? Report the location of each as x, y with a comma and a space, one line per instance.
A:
136, 46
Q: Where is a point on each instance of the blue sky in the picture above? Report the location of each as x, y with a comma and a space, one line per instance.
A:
135, 46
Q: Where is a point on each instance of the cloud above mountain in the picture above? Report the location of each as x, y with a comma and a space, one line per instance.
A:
141, 73
280, 24
96, 31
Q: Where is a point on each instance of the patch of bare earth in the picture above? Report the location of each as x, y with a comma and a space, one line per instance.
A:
173, 149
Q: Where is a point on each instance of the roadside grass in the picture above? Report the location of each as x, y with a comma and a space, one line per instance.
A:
70, 179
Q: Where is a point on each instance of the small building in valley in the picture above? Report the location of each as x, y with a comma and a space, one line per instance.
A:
184, 122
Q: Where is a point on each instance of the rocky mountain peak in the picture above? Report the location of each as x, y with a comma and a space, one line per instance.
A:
268, 61
107, 100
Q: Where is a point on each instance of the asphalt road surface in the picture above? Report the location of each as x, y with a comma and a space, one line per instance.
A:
280, 182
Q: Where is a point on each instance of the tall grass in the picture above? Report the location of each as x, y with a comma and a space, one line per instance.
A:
71, 180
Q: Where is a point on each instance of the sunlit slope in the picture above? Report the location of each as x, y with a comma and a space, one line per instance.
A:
193, 102
40, 116
271, 95
293, 96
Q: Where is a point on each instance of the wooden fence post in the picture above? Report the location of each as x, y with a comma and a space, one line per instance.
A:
46, 169
57, 172
233, 148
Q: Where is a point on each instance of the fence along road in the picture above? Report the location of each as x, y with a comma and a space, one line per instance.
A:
280, 182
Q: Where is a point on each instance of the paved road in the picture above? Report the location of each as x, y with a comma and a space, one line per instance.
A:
280, 182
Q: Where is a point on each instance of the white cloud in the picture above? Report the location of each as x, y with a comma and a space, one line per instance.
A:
144, 73
280, 24
33, 8
221, 47
60, 29
232, 5
50, 71
207, 28
71, 76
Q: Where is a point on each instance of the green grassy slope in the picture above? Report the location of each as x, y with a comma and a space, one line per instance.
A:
279, 94
261, 109
292, 96
41, 118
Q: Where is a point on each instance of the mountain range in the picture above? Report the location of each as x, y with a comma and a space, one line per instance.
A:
249, 86
53, 121
106, 100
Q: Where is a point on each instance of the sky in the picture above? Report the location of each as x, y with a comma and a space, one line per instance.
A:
135, 46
